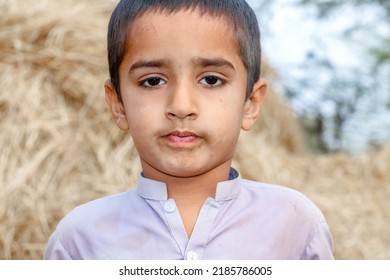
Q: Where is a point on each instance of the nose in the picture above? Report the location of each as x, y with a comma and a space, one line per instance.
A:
182, 102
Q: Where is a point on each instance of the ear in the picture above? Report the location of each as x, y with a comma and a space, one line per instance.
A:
253, 104
118, 112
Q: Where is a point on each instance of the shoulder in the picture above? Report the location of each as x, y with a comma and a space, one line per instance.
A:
279, 195
295, 213
89, 223
96, 209
271, 189
287, 207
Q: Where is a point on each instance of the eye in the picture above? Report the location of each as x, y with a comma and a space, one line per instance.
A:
152, 82
212, 81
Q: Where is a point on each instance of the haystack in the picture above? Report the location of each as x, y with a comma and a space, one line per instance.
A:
59, 147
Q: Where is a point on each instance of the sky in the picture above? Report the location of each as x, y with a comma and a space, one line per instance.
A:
290, 32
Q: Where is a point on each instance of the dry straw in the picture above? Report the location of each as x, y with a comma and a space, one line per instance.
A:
59, 147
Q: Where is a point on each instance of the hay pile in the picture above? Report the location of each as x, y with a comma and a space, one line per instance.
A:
59, 147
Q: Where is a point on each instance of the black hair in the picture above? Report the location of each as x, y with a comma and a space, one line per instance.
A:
238, 12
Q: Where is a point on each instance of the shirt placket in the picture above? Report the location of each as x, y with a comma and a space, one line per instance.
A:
175, 224
201, 233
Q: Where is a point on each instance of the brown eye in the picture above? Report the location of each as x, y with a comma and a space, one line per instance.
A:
212, 81
152, 82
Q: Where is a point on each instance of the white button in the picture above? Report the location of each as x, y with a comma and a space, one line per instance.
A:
170, 206
191, 255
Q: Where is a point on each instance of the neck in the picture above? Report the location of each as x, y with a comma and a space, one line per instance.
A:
195, 187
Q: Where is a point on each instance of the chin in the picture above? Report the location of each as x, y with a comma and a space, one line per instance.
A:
183, 173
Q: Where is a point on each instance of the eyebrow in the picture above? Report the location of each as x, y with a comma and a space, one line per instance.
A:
148, 64
215, 62
200, 61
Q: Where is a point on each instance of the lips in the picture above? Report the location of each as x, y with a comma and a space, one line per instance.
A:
181, 137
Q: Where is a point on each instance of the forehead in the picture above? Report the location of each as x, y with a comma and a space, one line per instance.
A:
183, 26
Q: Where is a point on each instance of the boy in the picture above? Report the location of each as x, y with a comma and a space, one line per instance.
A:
184, 79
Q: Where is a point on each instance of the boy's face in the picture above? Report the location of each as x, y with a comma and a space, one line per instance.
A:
183, 87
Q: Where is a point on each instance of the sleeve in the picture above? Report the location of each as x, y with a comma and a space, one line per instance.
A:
55, 250
320, 246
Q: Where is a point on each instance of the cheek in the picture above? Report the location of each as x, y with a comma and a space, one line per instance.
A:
229, 114
139, 114
227, 124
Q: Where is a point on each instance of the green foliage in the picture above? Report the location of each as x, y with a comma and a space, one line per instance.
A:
346, 93
325, 7
381, 51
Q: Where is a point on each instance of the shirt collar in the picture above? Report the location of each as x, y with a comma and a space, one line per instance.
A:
155, 190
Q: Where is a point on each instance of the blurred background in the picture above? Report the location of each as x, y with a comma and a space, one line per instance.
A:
333, 60
324, 129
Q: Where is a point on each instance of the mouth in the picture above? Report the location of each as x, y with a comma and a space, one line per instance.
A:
181, 137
